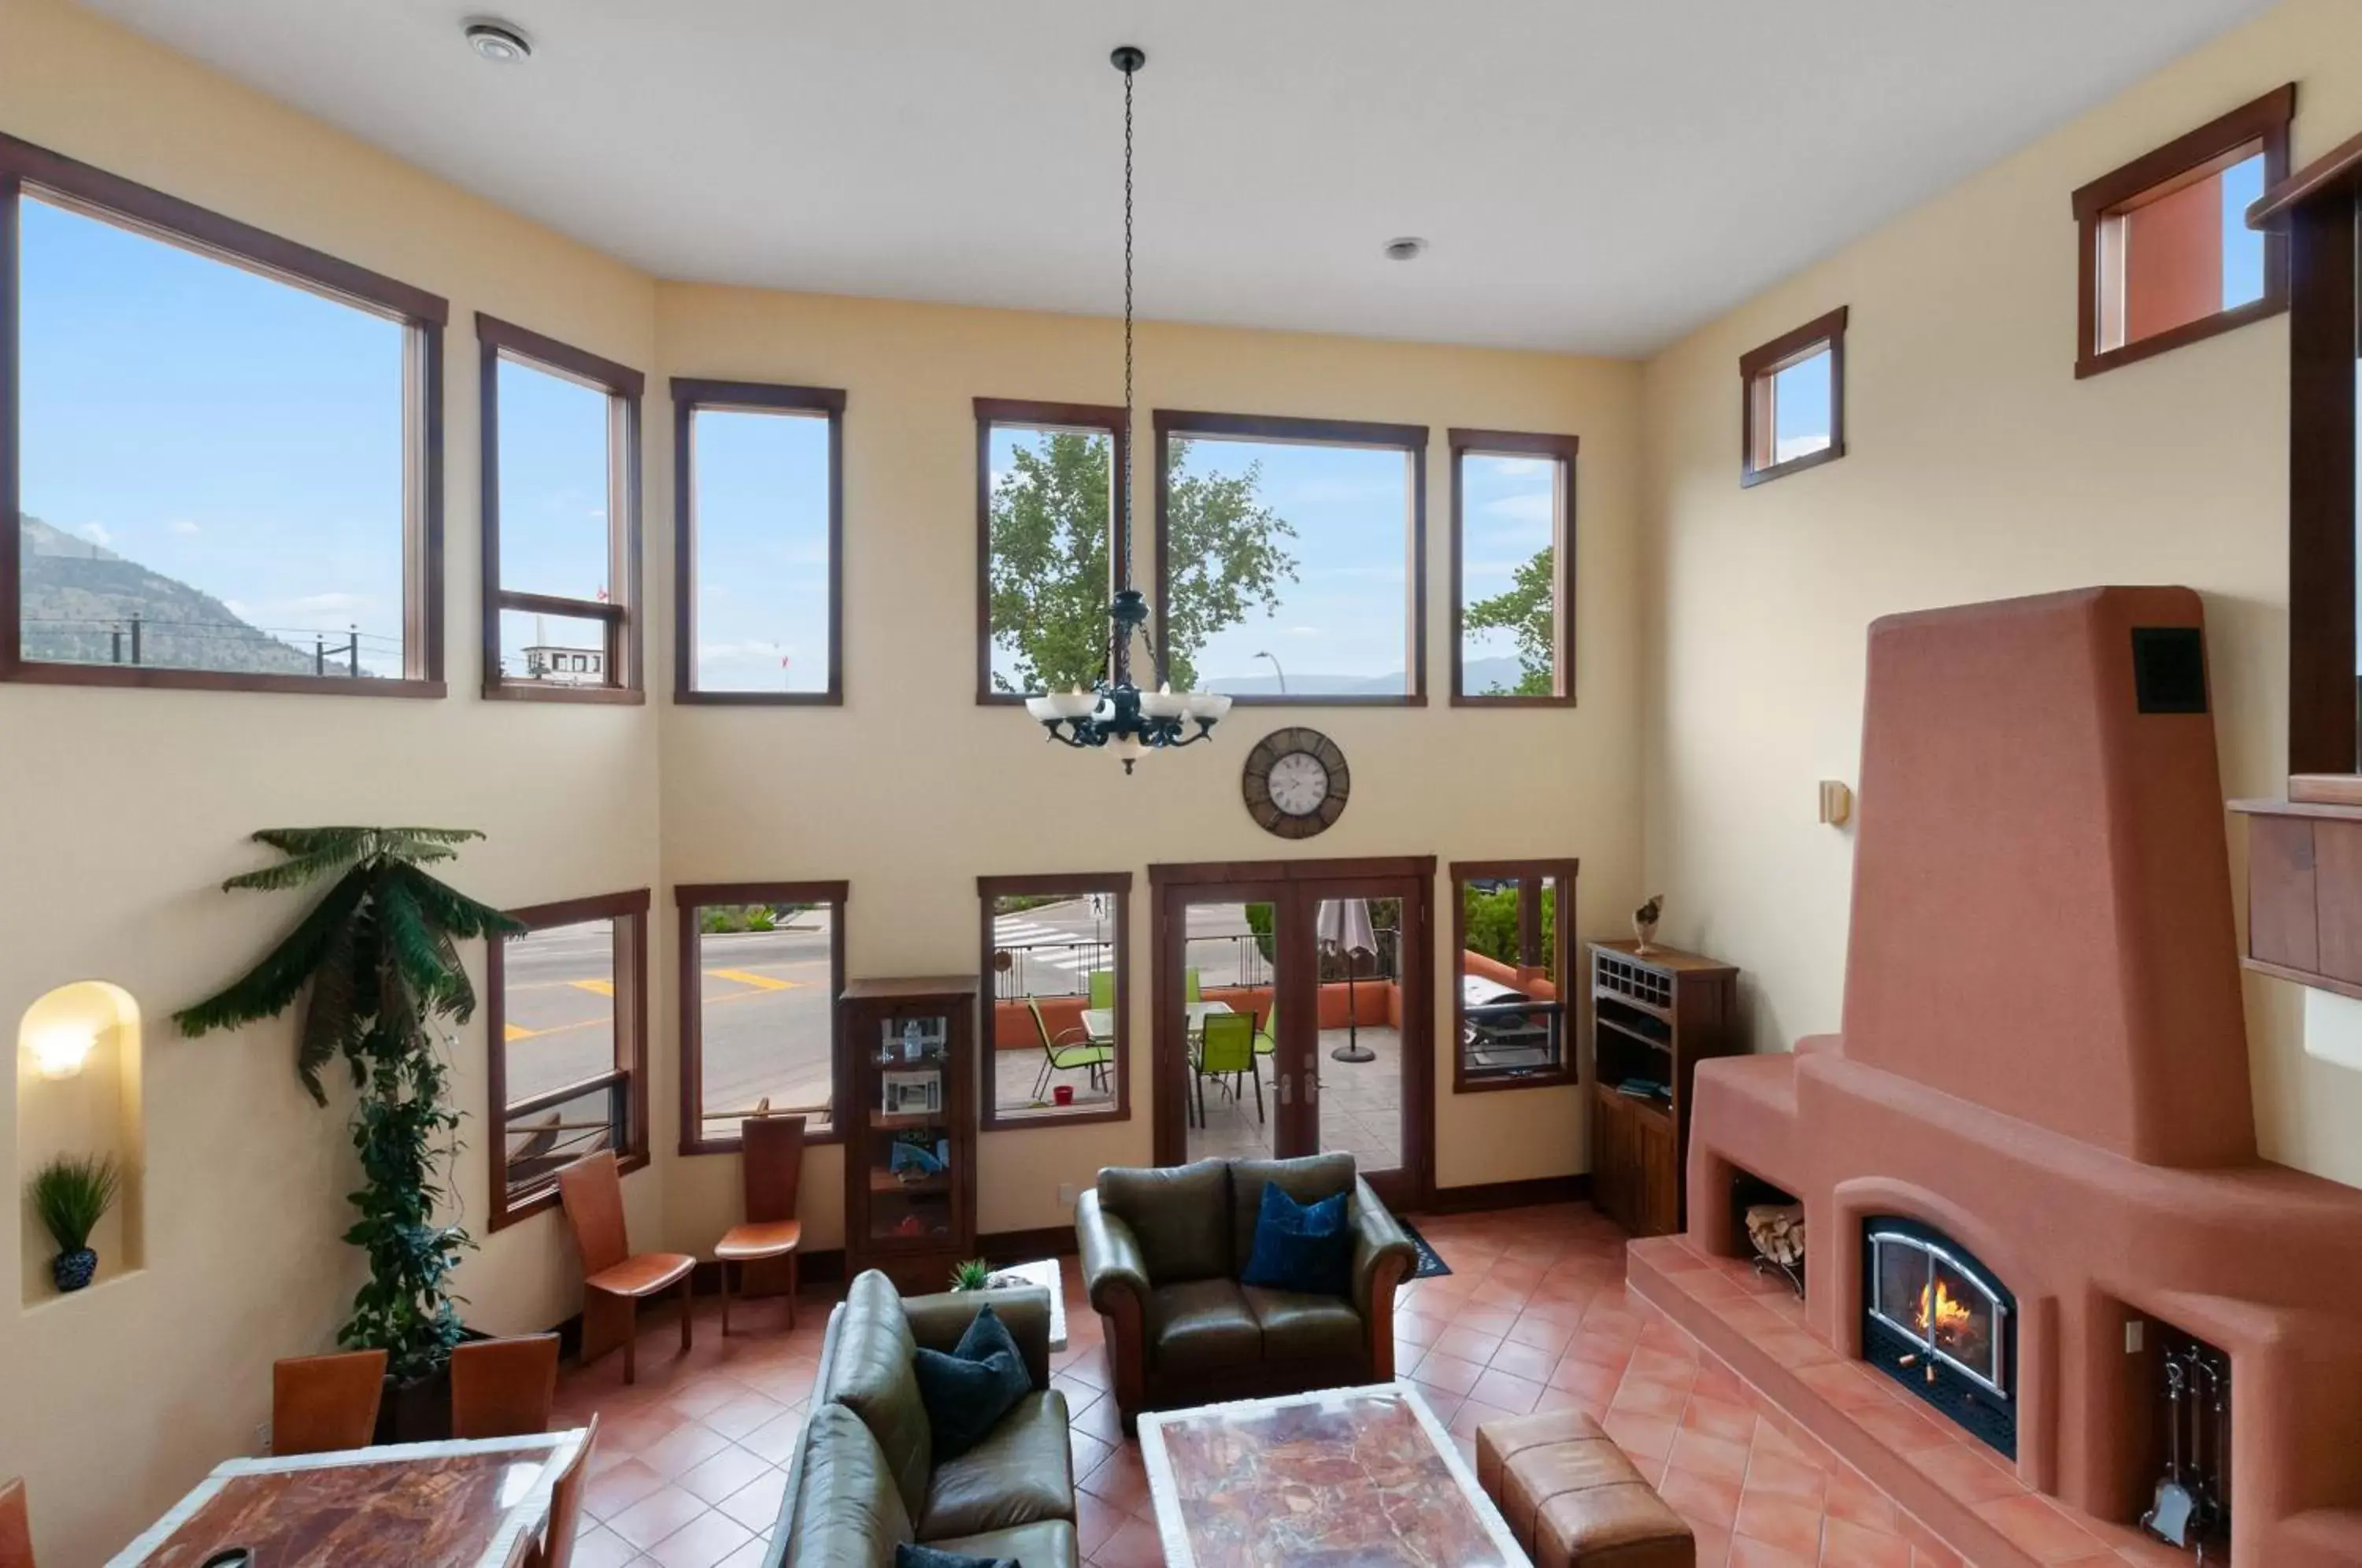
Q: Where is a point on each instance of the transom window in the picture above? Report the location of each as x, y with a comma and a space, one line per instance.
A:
1056, 1038
567, 1018
762, 965
1794, 403
1291, 557
1045, 477
1512, 568
561, 519
1512, 946
2167, 257
227, 469
759, 509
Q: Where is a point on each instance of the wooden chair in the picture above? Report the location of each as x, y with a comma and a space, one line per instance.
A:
614, 1278
556, 1548
772, 1162
320, 1404
503, 1387
16, 1528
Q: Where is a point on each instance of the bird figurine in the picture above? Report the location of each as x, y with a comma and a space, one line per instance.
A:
1644, 920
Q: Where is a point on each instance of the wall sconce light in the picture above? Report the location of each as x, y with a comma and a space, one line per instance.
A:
1836, 803
61, 1049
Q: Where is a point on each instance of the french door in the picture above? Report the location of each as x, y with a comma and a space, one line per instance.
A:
1330, 964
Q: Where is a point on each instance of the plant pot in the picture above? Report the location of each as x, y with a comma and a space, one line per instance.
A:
415, 1411
72, 1271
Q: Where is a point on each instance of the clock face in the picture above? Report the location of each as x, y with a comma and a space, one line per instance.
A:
1296, 782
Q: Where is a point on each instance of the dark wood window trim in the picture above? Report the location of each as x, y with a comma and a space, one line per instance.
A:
620, 613
1410, 439
1756, 367
1117, 885
2201, 152
630, 912
1565, 872
689, 397
687, 899
422, 316
1021, 413
1345, 869
1514, 443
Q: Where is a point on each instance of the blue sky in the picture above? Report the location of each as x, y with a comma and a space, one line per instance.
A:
2243, 248
1509, 511
762, 551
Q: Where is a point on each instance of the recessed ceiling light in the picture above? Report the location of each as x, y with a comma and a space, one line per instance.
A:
498, 42
1409, 247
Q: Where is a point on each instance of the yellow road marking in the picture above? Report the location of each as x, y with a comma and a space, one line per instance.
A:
596, 988
760, 982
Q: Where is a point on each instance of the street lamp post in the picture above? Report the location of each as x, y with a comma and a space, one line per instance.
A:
1276, 670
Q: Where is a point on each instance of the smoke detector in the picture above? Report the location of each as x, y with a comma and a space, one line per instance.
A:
1409, 247
498, 42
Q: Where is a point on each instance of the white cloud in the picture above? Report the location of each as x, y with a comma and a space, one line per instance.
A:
326, 603
180, 526
1532, 506
96, 533
1799, 446
1520, 468
750, 650
1302, 632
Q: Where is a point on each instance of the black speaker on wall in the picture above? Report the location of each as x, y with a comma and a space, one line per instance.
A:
2170, 668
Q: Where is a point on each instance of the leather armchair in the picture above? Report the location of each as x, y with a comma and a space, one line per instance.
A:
1162, 1251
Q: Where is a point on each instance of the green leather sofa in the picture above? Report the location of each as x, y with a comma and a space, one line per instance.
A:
1162, 1251
864, 1478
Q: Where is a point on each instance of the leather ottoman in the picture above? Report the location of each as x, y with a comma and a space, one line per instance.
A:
1574, 1500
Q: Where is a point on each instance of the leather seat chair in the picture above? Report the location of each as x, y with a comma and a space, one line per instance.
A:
503, 1387
556, 1548
320, 1404
614, 1278
771, 1164
16, 1527
1162, 1252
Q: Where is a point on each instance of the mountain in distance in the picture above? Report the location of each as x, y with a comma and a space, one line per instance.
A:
1479, 674
79, 599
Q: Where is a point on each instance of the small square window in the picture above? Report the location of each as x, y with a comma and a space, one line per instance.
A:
1793, 411
2167, 257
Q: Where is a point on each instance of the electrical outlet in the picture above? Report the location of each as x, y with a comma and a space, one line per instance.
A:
261, 1437
1066, 1194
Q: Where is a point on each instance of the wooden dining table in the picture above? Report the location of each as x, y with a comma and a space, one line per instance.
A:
474, 1504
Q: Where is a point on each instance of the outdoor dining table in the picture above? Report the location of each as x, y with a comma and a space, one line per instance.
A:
1100, 1021
475, 1504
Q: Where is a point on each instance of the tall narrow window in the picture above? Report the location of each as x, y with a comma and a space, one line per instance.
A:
761, 967
1292, 558
759, 520
1055, 1040
1793, 406
1512, 946
1045, 477
2167, 257
221, 464
1512, 568
567, 1010
561, 520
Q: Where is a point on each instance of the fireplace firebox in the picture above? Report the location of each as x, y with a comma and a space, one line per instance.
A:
1941, 1324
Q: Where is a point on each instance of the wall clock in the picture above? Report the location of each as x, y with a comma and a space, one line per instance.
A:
1296, 782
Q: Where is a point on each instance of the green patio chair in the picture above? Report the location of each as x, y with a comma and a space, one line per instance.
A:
1103, 990
1266, 1040
1070, 1050
1226, 1049
1189, 989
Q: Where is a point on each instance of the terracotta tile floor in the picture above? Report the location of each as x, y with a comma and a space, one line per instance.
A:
692, 1463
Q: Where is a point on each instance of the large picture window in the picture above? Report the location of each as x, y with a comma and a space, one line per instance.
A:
1056, 1037
1292, 558
567, 1016
761, 967
220, 464
1045, 477
1512, 568
760, 530
1512, 953
561, 443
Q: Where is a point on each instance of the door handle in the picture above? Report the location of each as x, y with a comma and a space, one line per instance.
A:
1284, 1084
1312, 1088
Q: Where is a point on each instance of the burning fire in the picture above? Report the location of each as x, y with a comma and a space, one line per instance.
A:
1952, 1318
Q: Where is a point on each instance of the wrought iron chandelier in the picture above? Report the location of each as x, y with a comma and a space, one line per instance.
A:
1117, 713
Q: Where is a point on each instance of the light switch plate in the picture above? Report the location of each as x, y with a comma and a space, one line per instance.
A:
2135, 1336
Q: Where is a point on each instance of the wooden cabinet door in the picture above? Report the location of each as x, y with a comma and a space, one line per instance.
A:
1657, 1206
1613, 1155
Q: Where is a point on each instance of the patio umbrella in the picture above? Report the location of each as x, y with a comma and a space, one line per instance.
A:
1344, 928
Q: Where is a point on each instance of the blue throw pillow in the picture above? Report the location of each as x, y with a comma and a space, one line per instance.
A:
1304, 1247
968, 1391
909, 1554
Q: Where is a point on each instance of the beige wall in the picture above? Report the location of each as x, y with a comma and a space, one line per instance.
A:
1977, 467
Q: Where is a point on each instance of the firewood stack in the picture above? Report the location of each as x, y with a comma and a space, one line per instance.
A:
1778, 1231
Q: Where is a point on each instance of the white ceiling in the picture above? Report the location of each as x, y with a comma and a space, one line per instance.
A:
1596, 175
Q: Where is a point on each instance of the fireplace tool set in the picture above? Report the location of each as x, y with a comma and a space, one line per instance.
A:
2192, 1508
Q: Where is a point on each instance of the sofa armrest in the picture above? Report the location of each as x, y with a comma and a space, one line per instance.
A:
938, 1322
1383, 1258
1110, 1255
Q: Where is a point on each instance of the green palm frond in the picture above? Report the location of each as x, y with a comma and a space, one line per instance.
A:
271, 987
450, 910
352, 841
297, 872
332, 1013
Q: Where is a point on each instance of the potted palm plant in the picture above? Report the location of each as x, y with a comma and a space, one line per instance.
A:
377, 959
71, 1194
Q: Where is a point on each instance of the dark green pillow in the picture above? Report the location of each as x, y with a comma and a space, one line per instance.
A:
968, 1391
909, 1554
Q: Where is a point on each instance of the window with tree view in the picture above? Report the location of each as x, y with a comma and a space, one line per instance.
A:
222, 480
1291, 557
1045, 483
761, 964
1514, 964
1513, 564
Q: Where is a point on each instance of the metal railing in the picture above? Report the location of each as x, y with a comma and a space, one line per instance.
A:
1512, 1039
1049, 968
549, 1131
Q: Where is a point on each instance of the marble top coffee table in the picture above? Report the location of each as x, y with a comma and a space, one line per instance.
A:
1361, 1475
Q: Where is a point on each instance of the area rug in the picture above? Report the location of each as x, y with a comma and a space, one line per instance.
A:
1431, 1263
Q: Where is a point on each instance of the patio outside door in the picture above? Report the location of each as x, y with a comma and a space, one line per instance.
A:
1293, 1015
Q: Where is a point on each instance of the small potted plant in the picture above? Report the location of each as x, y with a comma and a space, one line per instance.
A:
973, 1275
72, 1193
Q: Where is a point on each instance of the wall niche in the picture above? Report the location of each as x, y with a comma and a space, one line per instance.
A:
78, 1092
